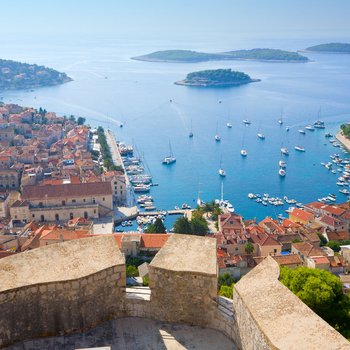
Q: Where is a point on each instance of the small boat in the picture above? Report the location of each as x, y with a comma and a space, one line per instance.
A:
150, 208
339, 183
344, 191
246, 122
328, 135
258, 200
310, 128
190, 135
280, 121
244, 153
287, 128
302, 131
229, 125
251, 195
169, 159
282, 172
319, 124
176, 207
299, 148
217, 138
222, 172
282, 164
284, 150
264, 203
185, 206
334, 171
261, 136
121, 125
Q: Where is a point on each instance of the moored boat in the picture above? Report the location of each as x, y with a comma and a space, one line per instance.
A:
282, 172
284, 150
299, 148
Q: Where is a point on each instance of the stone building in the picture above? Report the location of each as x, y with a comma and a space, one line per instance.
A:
65, 201
9, 179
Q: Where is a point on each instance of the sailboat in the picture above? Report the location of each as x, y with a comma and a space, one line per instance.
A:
224, 204
319, 124
221, 171
217, 136
261, 136
244, 152
280, 120
200, 203
282, 172
169, 159
190, 135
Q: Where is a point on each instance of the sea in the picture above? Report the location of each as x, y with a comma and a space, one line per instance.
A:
110, 88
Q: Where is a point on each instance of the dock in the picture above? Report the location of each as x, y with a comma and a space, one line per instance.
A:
169, 212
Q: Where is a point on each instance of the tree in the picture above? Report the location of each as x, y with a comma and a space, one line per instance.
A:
81, 120
226, 291
182, 225
72, 118
248, 248
225, 280
131, 271
157, 227
199, 226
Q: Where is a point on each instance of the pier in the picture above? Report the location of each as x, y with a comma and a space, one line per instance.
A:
169, 212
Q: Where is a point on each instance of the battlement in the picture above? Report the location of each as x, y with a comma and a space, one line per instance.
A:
77, 285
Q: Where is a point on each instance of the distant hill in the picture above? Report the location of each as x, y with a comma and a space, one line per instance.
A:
331, 47
16, 75
186, 56
216, 78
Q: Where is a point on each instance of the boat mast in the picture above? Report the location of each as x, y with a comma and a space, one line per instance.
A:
222, 190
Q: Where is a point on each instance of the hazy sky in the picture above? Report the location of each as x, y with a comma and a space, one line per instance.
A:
176, 18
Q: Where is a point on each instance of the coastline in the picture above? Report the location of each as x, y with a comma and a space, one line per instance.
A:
343, 140
196, 84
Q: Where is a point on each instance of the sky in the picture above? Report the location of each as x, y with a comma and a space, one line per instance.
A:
175, 18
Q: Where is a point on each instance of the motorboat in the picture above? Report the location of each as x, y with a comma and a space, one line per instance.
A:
244, 153
222, 172
282, 172
229, 125
284, 150
344, 191
280, 121
246, 122
310, 128
217, 138
302, 131
287, 128
261, 136
251, 195
319, 124
328, 135
299, 148
282, 164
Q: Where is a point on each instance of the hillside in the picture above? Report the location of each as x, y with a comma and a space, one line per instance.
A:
187, 56
16, 75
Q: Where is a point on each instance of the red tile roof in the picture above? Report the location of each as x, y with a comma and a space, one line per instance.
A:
301, 214
338, 236
307, 249
334, 210
289, 259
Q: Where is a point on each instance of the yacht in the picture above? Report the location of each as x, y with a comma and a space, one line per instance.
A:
244, 153
282, 172
319, 124
310, 128
302, 131
282, 164
284, 150
246, 122
229, 125
261, 136
299, 148
344, 191
169, 159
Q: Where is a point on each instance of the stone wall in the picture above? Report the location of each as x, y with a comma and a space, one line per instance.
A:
54, 305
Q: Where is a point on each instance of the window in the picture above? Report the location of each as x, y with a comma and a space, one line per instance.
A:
86, 215
42, 218
63, 203
71, 216
73, 200
275, 250
33, 215
84, 200
94, 211
40, 204
103, 198
57, 217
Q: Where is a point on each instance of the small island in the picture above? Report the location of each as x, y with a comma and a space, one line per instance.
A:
216, 78
16, 75
330, 48
187, 56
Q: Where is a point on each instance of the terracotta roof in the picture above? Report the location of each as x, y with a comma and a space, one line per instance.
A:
321, 260
331, 221
272, 225
301, 214
338, 236
315, 205
66, 190
307, 249
264, 240
288, 259
332, 209
66, 235
148, 240
289, 224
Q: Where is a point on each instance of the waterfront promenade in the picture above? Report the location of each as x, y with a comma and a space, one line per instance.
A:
343, 140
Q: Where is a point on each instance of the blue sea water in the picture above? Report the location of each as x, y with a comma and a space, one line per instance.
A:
110, 88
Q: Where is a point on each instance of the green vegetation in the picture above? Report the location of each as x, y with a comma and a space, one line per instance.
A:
145, 281
157, 227
131, 266
193, 56
131, 271
197, 226
225, 285
335, 245
345, 128
105, 150
248, 248
81, 121
17, 75
216, 77
331, 47
322, 292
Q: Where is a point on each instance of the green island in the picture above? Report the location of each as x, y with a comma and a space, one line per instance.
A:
331, 48
186, 56
216, 78
16, 75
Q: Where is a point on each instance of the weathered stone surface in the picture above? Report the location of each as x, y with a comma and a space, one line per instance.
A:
269, 316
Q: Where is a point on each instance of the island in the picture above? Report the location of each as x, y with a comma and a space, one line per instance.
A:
187, 56
216, 78
330, 48
16, 75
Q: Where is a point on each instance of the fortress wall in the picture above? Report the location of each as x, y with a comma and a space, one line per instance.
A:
267, 315
61, 307
182, 296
